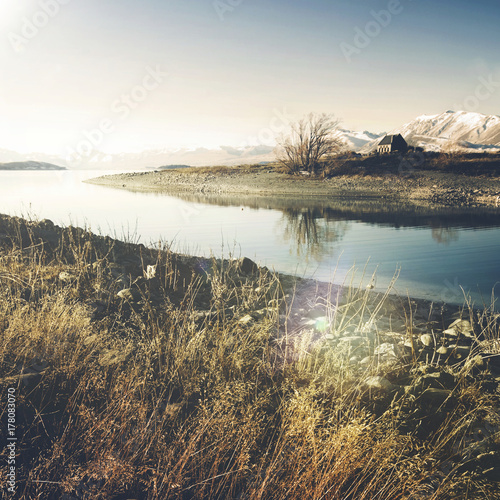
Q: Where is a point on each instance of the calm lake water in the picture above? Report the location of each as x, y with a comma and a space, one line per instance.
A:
438, 253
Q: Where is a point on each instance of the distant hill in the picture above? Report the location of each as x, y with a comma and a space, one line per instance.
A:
30, 165
169, 167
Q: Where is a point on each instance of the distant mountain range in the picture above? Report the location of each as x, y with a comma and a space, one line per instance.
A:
465, 130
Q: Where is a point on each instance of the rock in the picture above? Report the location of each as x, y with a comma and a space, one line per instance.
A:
129, 295
386, 350
437, 380
150, 272
47, 224
245, 320
435, 396
66, 277
378, 382
366, 361
426, 339
247, 266
442, 350
408, 343
463, 327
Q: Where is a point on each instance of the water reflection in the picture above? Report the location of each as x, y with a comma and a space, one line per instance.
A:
371, 211
310, 232
310, 226
444, 235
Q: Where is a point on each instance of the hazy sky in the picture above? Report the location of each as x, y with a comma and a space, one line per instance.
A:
126, 75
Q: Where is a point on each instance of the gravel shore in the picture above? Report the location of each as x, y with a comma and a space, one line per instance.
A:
421, 188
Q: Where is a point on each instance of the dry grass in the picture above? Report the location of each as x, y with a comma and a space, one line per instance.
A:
147, 397
224, 170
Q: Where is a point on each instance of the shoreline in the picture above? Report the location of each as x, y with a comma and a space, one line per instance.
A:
430, 189
302, 289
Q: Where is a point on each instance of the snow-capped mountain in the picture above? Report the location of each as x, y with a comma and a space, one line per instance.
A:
471, 131
467, 130
355, 141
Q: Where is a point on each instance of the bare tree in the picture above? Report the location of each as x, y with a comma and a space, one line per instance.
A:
310, 144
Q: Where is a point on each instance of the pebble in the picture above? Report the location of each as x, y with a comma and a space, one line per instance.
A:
386, 350
128, 294
462, 326
245, 320
378, 382
426, 339
64, 276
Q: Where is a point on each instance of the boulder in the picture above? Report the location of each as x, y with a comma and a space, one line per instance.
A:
247, 266
435, 396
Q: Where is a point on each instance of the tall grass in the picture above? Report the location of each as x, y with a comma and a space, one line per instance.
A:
170, 392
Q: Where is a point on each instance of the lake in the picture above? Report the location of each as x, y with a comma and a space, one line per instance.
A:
438, 253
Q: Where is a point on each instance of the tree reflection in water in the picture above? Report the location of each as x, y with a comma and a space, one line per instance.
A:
444, 235
311, 231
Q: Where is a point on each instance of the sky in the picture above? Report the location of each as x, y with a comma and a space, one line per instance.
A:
124, 75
